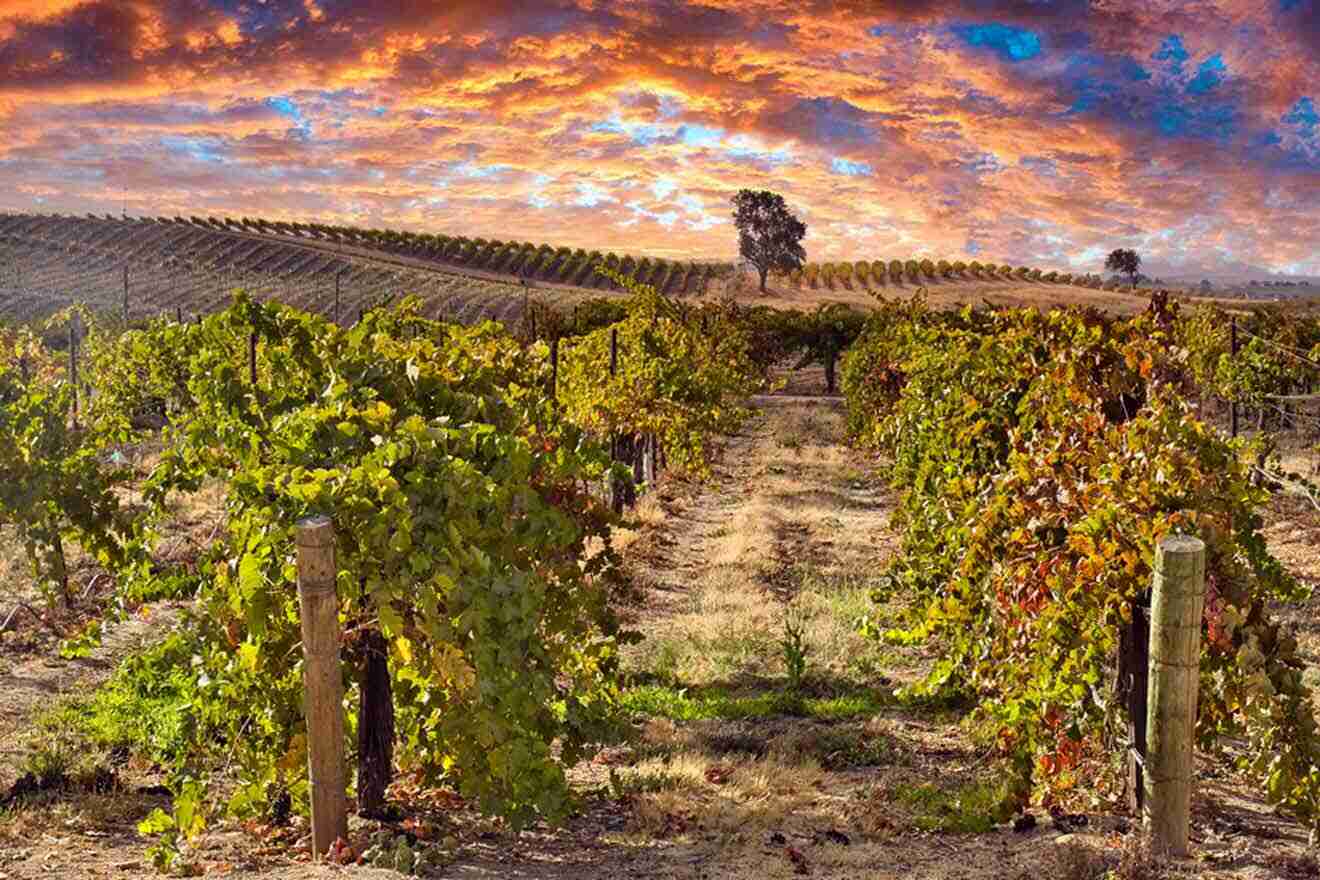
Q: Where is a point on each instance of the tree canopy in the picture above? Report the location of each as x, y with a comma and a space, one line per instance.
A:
1123, 260
769, 234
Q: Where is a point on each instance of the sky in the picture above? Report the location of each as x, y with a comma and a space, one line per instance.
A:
1037, 132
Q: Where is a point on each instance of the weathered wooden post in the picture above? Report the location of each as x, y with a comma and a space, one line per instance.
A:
1175, 669
178, 314
323, 681
648, 459
126, 294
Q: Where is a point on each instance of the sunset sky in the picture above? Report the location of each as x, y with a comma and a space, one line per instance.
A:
1034, 132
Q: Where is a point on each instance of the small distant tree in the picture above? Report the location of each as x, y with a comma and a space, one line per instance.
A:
769, 235
1125, 262
862, 269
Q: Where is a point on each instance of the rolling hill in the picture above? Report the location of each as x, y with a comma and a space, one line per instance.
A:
192, 265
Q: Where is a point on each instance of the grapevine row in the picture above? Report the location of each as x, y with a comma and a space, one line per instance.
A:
873, 274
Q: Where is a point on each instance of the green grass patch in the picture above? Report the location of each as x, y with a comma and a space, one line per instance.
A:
142, 709
968, 809
851, 748
692, 704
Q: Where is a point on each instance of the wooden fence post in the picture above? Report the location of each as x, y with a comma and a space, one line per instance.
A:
648, 459
126, 294
323, 682
1175, 670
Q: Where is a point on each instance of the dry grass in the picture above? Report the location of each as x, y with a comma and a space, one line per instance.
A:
803, 542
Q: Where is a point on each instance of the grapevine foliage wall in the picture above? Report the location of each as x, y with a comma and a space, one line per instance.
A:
1041, 457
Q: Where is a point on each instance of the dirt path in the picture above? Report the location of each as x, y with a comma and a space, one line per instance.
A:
734, 771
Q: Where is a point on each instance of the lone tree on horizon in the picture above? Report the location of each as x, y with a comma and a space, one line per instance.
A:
1125, 261
769, 235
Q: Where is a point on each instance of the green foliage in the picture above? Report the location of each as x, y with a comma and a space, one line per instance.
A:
673, 379
174, 829
1124, 261
146, 705
1261, 367
794, 649
684, 704
1041, 459
56, 485
968, 809
456, 492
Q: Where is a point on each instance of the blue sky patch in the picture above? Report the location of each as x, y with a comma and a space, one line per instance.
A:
848, 168
200, 149
1303, 115
284, 107
700, 135
1173, 53
1208, 75
641, 133
590, 195
1009, 43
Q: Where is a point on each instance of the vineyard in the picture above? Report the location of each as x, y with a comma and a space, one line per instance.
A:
168, 265
190, 265
876, 275
603, 579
